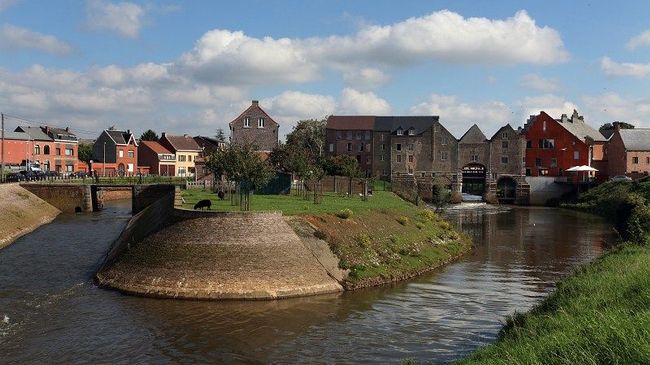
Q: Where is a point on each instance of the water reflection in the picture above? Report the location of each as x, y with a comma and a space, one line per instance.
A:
57, 315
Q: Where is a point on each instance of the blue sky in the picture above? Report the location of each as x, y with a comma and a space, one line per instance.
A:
190, 67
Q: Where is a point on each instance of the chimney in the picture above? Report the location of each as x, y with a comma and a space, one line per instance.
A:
256, 103
564, 118
128, 131
617, 126
67, 129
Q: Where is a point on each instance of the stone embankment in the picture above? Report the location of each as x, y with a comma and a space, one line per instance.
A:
21, 212
210, 255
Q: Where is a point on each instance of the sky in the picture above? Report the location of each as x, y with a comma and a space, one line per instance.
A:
191, 67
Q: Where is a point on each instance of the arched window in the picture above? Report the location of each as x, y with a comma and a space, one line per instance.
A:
46, 150
37, 150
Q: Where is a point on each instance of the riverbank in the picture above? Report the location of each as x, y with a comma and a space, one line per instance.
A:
601, 313
21, 212
382, 240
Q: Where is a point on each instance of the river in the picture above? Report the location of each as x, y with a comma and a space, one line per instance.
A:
51, 312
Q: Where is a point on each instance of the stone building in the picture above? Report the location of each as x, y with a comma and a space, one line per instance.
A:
353, 136
254, 126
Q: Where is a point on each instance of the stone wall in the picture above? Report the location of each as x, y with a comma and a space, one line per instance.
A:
67, 198
116, 193
145, 195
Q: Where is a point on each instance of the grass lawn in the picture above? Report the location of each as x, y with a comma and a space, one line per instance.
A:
599, 315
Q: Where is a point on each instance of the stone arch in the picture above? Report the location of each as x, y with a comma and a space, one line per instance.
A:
506, 189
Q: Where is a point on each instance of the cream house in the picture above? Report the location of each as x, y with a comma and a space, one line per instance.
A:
186, 150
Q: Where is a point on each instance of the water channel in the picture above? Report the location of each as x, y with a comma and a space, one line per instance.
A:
51, 312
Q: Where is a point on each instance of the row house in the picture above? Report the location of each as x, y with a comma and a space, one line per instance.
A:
555, 145
186, 150
160, 160
255, 127
52, 149
628, 152
208, 145
115, 152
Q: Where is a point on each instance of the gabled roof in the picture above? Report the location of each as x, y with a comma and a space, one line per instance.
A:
121, 137
35, 133
17, 135
418, 123
156, 147
637, 139
473, 135
254, 106
351, 122
576, 125
508, 127
182, 143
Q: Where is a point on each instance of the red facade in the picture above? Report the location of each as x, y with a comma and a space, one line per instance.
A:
551, 148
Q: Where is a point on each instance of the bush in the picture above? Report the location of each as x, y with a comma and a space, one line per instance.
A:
403, 220
427, 215
394, 239
363, 240
320, 235
420, 225
344, 213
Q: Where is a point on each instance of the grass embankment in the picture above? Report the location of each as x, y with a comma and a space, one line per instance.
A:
601, 313
380, 240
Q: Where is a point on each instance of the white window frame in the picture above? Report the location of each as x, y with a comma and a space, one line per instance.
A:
247, 122
260, 122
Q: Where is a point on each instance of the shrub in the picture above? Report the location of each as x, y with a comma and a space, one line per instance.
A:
394, 239
427, 215
403, 220
320, 235
420, 225
363, 240
344, 213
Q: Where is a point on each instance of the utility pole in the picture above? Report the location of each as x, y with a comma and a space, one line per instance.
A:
104, 161
2, 166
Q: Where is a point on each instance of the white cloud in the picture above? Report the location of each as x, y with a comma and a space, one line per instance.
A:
458, 116
612, 106
4, 4
551, 104
13, 38
613, 68
640, 40
537, 82
357, 102
365, 78
124, 18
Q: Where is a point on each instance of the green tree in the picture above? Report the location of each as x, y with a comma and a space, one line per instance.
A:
609, 126
149, 135
308, 135
220, 136
85, 152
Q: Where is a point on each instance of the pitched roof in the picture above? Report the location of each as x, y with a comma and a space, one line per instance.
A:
63, 134
351, 122
120, 137
255, 105
418, 123
182, 143
34, 133
473, 135
637, 139
576, 125
17, 135
507, 126
156, 147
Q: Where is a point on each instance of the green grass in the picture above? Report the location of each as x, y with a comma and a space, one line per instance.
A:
294, 205
599, 315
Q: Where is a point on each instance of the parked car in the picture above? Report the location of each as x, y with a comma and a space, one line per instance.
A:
78, 174
33, 175
17, 177
620, 178
53, 174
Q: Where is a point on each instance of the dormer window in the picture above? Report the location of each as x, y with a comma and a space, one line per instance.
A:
411, 132
400, 132
247, 122
260, 122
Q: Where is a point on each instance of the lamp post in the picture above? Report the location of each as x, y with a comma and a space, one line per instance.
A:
104, 162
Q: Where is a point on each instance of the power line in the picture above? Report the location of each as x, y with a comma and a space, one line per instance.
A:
32, 122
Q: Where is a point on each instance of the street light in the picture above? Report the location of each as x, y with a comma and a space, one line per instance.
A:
104, 162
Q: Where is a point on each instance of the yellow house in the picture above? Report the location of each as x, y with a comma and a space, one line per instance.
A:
186, 150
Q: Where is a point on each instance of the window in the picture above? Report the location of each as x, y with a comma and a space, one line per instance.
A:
538, 162
384, 172
359, 136
553, 162
360, 147
543, 172
46, 150
544, 126
410, 158
339, 135
398, 158
411, 132
383, 147
37, 150
529, 144
400, 132
58, 152
69, 168
410, 170
635, 160
368, 160
181, 171
129, 167
247, 124
504, 144
444, 141
348, 135
547, 143
411, 147
189, 158
647, 160
576, 155
349, 147
473, 158
69, 152
120, 153
528, 172
367, 147
444, 155
382, 137
131, 154
181, 158
367, 135
260, 122
504, 159
423, 174
398, 146
331, 147
504, 135
381, 157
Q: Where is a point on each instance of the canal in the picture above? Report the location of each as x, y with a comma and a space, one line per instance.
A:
51, 312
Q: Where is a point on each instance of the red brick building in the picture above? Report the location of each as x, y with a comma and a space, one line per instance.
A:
157, 158
554, 145
352, 135
51, 149
628, 152
115, 153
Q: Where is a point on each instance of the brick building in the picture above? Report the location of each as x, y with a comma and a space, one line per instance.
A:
115, 152
186, 150
157, 158
52, 149
353, 136
254, 126
628, 152
208, 145
554, 145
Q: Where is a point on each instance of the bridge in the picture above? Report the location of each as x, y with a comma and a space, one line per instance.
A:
75, 198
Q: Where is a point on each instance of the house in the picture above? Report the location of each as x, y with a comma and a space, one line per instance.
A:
157, 158
18, 147
628, 152
353, 136
255, 127
54, 149
186, 150
208, 145
115, 152
554, 145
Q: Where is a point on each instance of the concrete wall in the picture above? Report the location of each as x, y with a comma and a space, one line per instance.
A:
145, 195
65, 197
543, 188
116, 193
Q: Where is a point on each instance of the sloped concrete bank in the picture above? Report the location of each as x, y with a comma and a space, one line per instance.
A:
210, 255
21, 212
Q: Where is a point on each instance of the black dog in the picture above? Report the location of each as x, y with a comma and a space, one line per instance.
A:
205, 203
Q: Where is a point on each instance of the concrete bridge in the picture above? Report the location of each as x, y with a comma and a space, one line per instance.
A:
74, 198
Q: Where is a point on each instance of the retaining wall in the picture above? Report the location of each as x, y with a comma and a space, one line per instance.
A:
64, 197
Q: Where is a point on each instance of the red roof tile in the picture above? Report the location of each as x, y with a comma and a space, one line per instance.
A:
156, 147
